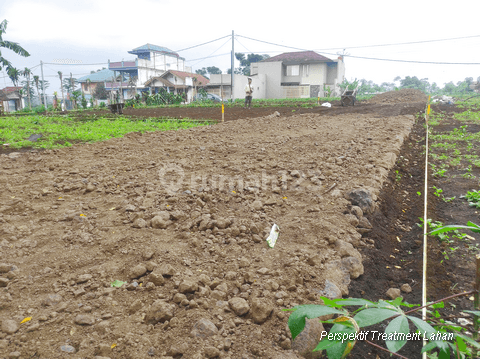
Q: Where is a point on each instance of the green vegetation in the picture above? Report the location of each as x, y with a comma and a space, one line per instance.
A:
62, 131
473, 198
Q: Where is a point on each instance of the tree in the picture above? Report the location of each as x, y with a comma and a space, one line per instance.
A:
26, 73
15, 47
36, 79
69, 84
237, 71
100, 91
14, 75
213, 70
202, 71
245, 62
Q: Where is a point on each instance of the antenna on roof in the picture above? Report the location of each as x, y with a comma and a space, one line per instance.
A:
343, 54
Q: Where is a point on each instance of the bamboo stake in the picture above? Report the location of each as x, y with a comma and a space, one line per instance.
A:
476, 304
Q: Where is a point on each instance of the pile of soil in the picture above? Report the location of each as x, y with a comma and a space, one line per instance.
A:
182, 217
400, 96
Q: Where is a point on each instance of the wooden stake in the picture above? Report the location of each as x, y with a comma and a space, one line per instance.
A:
223, 115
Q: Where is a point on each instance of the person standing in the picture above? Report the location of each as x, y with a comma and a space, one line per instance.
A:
248, 93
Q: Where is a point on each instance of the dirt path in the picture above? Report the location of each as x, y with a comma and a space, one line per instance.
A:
182, 217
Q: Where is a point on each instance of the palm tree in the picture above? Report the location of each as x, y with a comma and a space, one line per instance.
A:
61, 86
36, 79
26, 73
14, 74
15, 47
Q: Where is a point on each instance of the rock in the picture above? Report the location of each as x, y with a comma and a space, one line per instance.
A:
84, 319
353, 266
130, 208
338, 274
357, 211
211, 352
14, 355
166, 270
364, 223
393, 293
308, 339
263, 271
104, 349
84, 278
67, 349
204, 328
261, 310
346, 249
331, 291
362, 198
159, 222
51, 300
178, 349
295, 174
352, 219
5, 268
218, 295
179, 297
159, 311
188, 286
406, 288
239, 305
316, 260
9, 326
156, 278
138, 271
139, 223
286, 344
257, 205
4, 282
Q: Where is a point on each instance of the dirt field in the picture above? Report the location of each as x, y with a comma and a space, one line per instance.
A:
182, 218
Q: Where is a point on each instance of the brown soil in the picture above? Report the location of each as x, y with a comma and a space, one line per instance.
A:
153, 210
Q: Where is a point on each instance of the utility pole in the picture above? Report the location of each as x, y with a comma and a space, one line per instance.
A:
233, 68
43, 87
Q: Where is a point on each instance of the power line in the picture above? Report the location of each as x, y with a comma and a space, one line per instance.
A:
271, 43
213, 52
379, 59
58, 63
207, 57
192, 47
398, 43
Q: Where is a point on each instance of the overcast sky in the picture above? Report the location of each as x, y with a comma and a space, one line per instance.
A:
95, 31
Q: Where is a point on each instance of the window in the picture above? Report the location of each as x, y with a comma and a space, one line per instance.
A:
305, 69
292, 70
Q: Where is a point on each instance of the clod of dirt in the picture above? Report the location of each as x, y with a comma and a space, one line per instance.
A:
204, 328
331, 291
5, 268
239, 306
393, 293
51, 300
261, 310
406, 288
84, 319
9, 326
308, 339
138, 271
159, 311
3, 282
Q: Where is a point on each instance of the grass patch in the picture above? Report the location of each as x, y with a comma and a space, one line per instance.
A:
62, 131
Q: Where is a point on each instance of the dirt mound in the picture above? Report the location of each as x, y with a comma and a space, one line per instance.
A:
182, 217
400, 96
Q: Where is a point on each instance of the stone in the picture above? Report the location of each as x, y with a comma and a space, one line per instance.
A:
138, 271
204, 328
178, 349
156, 278
52, 300
362, 198
257, 205
261, 310
353, 266
159, 311
364, 223
139, 223
218, 295
104, 349
130, 208
331, 291
67, 349
84, 278
239, 306
406, 288
263, 271
211, 352
4, 282
286, 344
345, 249
9, 326
393, 293
357, 211
188, 286
166, 270
5, 268
352, 219
308, 339
179, 297
14, 355
338, 274
84, 319
90, 188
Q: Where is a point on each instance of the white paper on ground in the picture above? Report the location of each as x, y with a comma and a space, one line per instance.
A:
272, 238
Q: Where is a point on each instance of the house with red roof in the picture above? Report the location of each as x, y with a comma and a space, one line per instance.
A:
300, 74
10, 99
151, 61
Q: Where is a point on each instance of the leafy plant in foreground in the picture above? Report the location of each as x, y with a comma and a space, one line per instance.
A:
473, 198
345, 331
